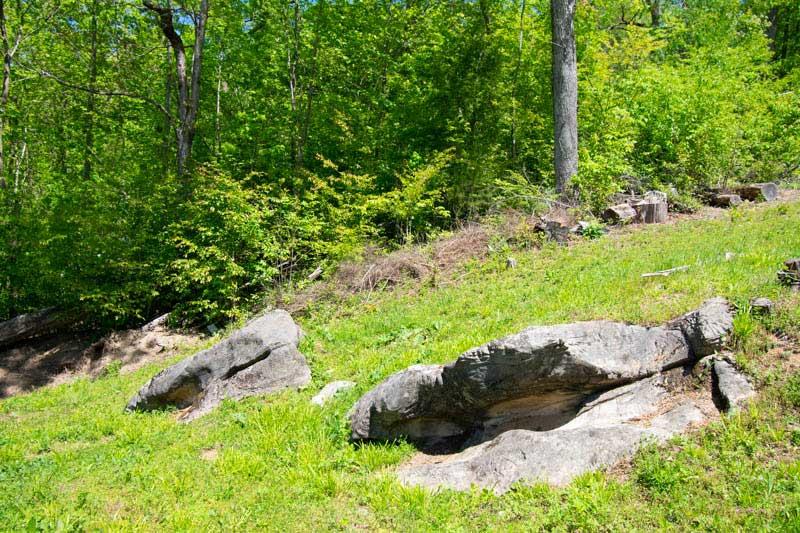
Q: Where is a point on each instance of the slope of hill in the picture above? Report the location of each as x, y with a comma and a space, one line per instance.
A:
71, 459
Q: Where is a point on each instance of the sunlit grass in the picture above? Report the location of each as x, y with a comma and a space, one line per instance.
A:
71, 459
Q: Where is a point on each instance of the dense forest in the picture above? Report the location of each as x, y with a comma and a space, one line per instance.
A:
190, 155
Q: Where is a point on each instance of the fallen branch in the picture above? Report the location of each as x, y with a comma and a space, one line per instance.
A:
666, 272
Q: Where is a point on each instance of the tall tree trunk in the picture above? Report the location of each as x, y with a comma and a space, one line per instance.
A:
514, 94
88, 149
188, 82
4, 92
293, 66
565, 92
655, 12
217, 125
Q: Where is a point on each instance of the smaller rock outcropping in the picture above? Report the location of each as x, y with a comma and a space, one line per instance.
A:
734, 389
260, 358
548, 403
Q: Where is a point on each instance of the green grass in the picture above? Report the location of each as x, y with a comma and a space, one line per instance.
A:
71, 460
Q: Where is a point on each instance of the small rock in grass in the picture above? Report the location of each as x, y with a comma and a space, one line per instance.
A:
729, 256
330, 390
733, 388
761, 306
619, 214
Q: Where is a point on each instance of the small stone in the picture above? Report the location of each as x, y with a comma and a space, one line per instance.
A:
729, 256
761, 306
212, 329
733, 388
511, 262
330, 390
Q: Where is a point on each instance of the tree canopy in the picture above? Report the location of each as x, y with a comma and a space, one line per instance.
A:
316, 126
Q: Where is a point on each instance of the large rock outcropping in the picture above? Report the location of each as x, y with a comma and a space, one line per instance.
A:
547, 403
260, 358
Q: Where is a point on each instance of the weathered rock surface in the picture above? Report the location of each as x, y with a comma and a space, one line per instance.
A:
535, 378
758, 192
762, 306
606, 430
734, 389
707, 328
548, 403
260, 358
330, 390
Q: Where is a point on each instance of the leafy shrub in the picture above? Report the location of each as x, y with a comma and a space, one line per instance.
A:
221, 248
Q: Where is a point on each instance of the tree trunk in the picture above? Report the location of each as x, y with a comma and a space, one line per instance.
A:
565, 92
7, 55
188, 84
655, 12
88, 149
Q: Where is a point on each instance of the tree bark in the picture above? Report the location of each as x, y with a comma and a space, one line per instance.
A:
188, 83
88, 149
565, 92
655, 12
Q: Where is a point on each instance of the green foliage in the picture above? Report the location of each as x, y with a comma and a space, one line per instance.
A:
326, 124
594, 230
414, 209
221, 245
791, 391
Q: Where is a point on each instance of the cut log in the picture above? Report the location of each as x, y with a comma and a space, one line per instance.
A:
619, 214
758, 192
725, 200
32, 325
651, 211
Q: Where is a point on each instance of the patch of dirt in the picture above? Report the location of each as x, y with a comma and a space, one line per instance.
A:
209, 454
61, 358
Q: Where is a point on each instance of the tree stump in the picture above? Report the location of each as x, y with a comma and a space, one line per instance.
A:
619, 214
758, 192
651, 211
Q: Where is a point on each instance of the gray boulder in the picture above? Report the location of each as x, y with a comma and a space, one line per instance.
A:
762, 306
733, 388
260, 358
330, 390
535, 379
607, 429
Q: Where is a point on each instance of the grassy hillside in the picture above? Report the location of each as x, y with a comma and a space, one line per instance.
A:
71, 460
